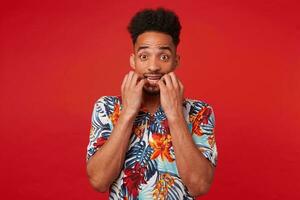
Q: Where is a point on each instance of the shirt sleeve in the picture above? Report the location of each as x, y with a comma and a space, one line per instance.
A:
203, 132
101, 127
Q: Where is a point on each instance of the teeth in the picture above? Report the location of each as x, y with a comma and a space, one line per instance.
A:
152, 81
153, 78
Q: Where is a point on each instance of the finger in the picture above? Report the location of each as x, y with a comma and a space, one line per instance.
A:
174, 80
168, 81
130, 74
141, 83
134, 80
162, 85
123, 83
181, 86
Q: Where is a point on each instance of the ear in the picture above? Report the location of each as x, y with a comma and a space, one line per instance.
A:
131, 61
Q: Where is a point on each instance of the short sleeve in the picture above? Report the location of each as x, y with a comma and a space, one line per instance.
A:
101, 127
203, 131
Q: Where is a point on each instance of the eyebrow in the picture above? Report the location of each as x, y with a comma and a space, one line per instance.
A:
161, 48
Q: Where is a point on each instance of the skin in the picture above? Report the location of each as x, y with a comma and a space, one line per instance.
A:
152, 82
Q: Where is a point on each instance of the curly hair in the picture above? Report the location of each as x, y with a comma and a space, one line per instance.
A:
160, 20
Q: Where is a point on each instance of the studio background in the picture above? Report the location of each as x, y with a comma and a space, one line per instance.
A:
58, 57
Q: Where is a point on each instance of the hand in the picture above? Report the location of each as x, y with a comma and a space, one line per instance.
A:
171, 95
132, 91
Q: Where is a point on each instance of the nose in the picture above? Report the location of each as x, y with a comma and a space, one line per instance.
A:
154, 65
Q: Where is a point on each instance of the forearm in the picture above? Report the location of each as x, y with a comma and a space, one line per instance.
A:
105, 165
195, 170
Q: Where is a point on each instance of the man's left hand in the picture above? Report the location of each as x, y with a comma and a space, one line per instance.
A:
171, 95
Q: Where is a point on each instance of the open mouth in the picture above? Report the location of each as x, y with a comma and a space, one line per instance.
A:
153, 78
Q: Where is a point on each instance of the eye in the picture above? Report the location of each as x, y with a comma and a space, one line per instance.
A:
143, 57
164, 57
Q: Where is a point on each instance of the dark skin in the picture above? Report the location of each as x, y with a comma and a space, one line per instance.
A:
153, 83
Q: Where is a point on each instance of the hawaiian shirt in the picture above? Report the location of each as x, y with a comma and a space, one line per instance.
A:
149, 170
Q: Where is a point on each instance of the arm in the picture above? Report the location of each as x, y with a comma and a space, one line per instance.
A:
105, 165
194, 169
111, 154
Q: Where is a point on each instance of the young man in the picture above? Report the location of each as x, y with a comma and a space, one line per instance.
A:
151, 142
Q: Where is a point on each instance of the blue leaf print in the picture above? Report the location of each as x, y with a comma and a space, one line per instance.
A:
141, 153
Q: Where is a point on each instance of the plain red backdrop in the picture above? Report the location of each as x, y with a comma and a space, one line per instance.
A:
58, 57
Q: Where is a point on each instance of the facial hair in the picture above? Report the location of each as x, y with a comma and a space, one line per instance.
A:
151, 92
147, 88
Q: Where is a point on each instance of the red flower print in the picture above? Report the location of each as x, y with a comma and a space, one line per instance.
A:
133, 177
165, 124
100, 142
201, 117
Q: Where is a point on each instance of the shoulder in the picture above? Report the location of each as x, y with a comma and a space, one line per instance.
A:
200, 111
106, 100
108, 103
196, 104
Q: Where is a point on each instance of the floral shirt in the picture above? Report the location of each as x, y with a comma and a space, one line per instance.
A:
149, 170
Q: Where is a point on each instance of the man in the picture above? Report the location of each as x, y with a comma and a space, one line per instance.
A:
151, 142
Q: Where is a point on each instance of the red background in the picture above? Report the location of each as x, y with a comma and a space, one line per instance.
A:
59, 57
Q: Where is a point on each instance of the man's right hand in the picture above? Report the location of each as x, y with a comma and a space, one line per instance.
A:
116, 146
132, 91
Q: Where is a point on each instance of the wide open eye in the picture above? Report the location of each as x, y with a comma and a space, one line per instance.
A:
143, 57
164, 57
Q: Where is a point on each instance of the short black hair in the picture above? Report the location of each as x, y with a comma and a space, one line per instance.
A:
160, 20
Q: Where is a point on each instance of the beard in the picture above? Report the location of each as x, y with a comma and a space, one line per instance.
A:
151, 88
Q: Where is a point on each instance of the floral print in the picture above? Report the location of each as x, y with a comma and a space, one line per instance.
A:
161, 145
149, 170
133, 178
165, 182
200, 118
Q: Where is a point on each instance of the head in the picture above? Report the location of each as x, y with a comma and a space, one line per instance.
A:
155, 37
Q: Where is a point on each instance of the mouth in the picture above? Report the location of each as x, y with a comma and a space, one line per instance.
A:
153, 78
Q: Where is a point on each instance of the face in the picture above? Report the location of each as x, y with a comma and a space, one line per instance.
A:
154, 55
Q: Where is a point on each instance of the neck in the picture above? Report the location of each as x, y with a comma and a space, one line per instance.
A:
151, 102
